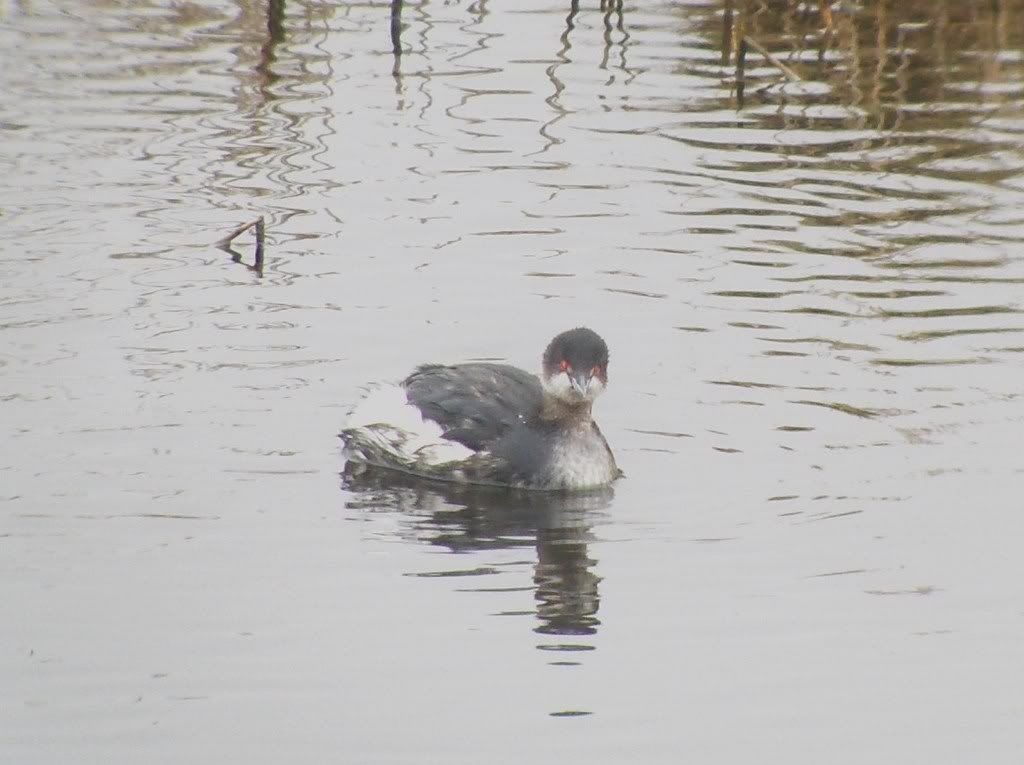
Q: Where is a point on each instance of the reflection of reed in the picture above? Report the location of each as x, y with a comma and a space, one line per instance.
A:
614, 8
468, 518
263, 146
396, 41
557, 86
275, 35
610, 9
876, 57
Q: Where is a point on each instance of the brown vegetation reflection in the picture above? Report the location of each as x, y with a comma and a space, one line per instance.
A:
879, 58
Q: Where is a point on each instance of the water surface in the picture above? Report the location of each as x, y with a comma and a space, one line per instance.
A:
808, 269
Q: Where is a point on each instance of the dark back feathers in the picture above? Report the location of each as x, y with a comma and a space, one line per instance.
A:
474, 403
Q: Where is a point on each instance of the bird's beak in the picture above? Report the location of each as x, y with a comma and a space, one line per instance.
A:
581, 382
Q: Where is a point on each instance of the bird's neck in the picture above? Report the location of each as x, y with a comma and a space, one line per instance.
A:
567, 415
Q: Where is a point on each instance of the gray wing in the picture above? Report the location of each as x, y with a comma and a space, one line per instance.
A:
474, 404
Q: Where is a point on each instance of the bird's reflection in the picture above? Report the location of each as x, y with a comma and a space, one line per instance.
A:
469, 518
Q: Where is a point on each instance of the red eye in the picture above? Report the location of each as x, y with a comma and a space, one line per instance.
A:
565, 366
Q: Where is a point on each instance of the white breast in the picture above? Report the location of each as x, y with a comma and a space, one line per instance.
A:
581, 462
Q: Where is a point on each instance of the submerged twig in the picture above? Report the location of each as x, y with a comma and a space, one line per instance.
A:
225, 244
790, 74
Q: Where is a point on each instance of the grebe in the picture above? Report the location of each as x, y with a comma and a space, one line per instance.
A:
492, 424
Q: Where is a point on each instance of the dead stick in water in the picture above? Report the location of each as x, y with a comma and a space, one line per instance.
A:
257, 224
260, 226
790, 74
260, 232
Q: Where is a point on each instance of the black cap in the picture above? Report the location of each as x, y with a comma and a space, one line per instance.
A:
582, 348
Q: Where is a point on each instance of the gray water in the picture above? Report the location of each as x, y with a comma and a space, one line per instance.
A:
813, 302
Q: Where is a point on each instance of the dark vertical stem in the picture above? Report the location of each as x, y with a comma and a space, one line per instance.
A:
275, 20
260, 233
275, 35
741, 65
727, 33
739, 41
570, 23
607, 11
396, 28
